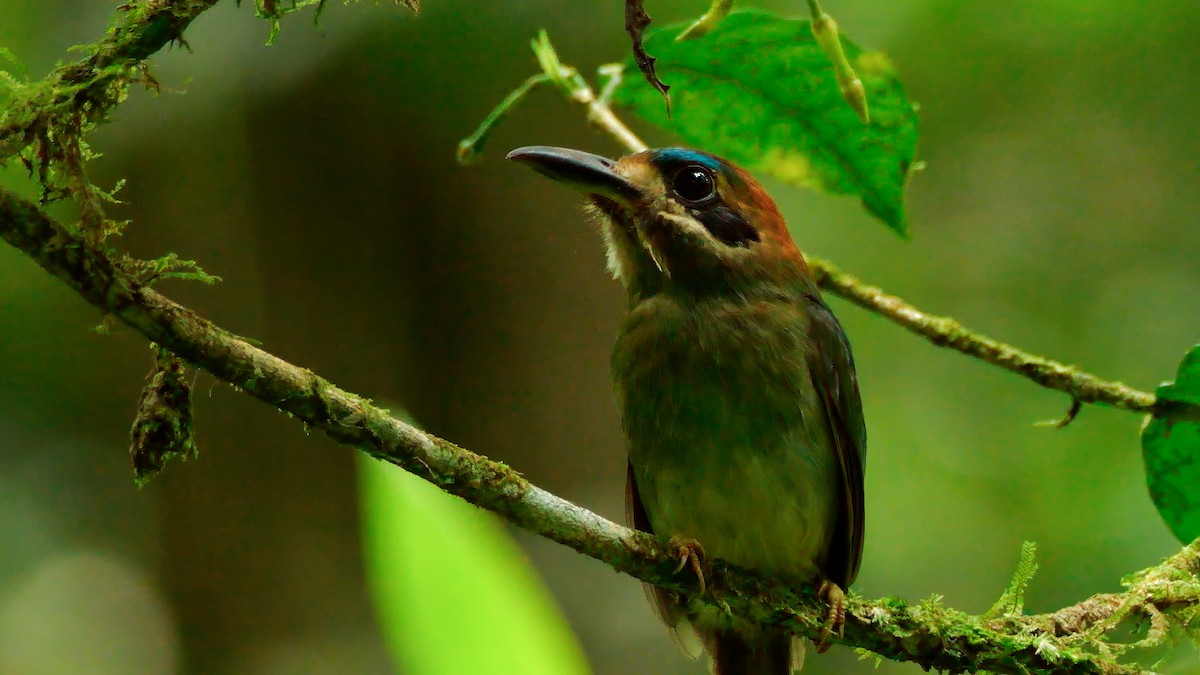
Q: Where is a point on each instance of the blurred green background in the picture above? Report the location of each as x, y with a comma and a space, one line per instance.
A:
317, 177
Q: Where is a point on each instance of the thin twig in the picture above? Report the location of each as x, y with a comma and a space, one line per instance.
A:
708, 21
946, 332
571, 83
941, 331
471, 147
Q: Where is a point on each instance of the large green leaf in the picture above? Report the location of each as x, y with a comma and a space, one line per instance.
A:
759, 90
1171, 450
452, 592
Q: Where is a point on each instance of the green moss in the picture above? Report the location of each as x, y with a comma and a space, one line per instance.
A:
162, 429
44, 123
169, 266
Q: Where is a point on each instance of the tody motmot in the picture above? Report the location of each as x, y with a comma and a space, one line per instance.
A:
735, 384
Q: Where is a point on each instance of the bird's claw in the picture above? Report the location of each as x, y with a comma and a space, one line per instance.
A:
691, 555
835, 617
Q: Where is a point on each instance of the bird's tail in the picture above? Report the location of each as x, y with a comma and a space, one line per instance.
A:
767, 653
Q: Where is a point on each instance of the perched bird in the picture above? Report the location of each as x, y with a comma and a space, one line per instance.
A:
735, 383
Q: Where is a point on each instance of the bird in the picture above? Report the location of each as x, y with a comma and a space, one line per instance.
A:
736, 386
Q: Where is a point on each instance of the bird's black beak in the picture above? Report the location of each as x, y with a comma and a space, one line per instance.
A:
583, 171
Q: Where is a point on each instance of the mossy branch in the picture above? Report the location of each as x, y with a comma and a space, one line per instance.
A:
946, 332
1071, 641
44, 122
79, 94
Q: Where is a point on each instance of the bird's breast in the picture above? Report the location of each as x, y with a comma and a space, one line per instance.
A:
725, 431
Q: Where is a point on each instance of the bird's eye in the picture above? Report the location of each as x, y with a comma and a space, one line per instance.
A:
694, 184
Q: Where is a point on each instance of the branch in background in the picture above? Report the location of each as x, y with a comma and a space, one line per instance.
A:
946, 332
572, 85
82, 93
471, 147
927, 633
576, 88
942, 331
707, 21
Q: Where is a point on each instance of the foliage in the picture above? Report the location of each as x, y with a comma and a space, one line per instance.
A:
1171, 450
440, 569
782, 112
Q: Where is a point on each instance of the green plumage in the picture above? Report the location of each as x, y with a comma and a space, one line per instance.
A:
735, 384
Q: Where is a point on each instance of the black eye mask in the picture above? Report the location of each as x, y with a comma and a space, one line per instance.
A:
725, 224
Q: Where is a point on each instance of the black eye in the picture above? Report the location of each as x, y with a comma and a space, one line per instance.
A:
694, 184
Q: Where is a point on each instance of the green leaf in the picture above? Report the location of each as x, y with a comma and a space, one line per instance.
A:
452, 592
1171, 450
759, 90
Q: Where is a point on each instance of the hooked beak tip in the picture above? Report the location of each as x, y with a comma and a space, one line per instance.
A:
518, 154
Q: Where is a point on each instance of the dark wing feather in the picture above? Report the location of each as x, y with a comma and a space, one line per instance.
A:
832, 372
665, 608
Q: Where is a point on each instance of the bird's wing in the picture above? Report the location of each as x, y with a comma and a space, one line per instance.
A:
832, 371
665, 607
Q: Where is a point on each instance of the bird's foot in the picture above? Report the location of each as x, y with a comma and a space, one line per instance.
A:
835, 617
691, 555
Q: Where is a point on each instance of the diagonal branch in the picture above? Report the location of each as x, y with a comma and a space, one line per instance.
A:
1083, 387
928, 634
946, 332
